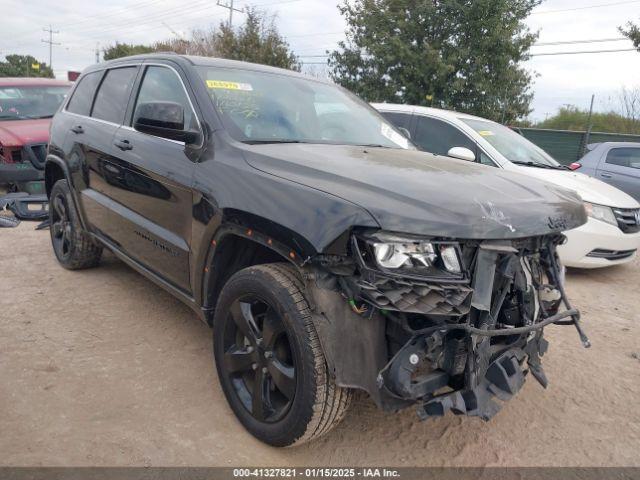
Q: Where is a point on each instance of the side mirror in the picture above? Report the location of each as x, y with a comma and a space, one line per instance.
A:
163, 119
462, 153
405, 132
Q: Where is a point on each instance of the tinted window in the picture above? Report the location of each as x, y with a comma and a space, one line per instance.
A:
438, 137
402, 120
624, 157
113, 95
82, 97
161, 84
264, 108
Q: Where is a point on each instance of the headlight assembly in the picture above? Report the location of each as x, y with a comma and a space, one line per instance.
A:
408, 256
600, 212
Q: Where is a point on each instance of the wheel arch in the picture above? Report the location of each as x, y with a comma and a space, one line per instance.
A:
241, 241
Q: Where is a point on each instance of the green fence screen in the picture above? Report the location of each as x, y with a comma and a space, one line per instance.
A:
569, 146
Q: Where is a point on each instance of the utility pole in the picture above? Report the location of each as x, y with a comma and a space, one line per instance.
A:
231, 10
587, 136
97, 52
51, 43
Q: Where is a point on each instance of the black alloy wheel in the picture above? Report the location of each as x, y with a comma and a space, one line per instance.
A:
258, 359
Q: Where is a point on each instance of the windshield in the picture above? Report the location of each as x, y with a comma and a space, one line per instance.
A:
20, 103
512, 146
258, 107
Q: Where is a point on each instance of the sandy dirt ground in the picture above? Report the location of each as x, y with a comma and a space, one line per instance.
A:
101, 367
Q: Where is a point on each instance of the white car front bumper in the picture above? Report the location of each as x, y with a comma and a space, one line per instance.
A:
611, 246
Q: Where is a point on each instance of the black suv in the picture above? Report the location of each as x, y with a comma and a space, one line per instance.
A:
325, 251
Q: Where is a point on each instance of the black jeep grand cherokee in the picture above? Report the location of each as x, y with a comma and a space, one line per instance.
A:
326, 252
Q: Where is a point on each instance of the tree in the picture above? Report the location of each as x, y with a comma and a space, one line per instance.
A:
463, 55
632, 32
23, 66
124, 50
571, 117
257, 40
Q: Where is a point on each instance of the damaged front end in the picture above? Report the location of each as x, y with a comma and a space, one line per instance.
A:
447, 325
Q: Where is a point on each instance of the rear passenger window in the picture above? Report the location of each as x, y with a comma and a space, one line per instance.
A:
438, 137
624, 157
402, 120
80, 101
161, 84
113, 95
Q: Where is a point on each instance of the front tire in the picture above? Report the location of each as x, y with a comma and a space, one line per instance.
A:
269, 360
73, 246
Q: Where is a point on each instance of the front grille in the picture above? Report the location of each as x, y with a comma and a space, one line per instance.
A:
628, 219
611, 254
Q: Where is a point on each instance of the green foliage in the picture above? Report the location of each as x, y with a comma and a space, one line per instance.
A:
632, 32
573, 118
22, 66
124, 50
257, 40
463, 55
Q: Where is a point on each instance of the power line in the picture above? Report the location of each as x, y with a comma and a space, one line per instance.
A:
572, 42
51, 42
231, 8
585, 8
583, 52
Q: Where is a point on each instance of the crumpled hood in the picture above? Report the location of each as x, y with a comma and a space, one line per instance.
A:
16, 133
419, 193
590, 189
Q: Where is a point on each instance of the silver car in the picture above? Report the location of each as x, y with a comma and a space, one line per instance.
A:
616, 163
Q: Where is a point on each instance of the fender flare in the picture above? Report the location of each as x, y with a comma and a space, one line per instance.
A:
209, 278
53, 159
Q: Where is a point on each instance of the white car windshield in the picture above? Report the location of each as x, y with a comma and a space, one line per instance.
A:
258, 107
512, 146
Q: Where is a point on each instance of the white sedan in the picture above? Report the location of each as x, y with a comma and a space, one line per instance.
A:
612, 234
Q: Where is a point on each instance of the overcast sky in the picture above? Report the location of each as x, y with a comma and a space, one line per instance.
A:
313, 26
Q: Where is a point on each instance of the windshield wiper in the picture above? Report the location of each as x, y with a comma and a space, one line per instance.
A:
538, 165
275, 140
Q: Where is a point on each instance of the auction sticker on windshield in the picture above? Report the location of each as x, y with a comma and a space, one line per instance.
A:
224, 85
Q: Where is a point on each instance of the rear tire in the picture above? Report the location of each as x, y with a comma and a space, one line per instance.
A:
263, 327
73, 246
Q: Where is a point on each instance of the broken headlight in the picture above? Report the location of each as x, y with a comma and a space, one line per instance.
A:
417, 257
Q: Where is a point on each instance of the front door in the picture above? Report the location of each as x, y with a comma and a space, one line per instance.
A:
621, 168
153, 177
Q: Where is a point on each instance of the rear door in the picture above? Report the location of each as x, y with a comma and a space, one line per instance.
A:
96, 134
151, 182
620, 167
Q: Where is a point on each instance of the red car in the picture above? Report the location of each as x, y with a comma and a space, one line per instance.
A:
26, 108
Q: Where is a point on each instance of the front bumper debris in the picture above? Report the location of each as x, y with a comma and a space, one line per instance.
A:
460, 346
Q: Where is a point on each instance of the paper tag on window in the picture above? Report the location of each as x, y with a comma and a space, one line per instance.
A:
485, 133
229, 85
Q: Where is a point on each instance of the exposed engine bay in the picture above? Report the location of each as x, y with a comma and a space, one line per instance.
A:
442, 324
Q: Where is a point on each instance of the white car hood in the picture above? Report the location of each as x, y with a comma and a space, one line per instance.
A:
590, 189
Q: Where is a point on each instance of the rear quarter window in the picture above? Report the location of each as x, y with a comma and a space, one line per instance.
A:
82, 97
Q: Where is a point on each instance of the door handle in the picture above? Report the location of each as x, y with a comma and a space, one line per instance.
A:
77, 129
605, 175
123, 144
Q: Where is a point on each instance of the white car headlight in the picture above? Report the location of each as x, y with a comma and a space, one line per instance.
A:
412, 256
600, 212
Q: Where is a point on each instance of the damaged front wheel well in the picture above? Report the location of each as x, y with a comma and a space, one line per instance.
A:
232, 253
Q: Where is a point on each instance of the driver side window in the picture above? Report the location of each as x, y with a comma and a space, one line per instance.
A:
436, 136
161, 84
